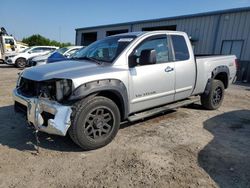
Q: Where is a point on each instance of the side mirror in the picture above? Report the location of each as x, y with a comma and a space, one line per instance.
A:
132, 61
147, 57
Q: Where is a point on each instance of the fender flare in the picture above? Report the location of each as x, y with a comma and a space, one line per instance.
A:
214, 73
95, 87
220, 69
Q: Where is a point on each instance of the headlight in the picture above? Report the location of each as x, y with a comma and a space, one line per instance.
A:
63, 89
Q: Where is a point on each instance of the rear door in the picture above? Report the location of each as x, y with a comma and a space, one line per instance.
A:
185, 69
153, 84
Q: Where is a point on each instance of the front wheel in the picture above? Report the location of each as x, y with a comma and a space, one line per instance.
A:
21, 63
213, 99
94, 122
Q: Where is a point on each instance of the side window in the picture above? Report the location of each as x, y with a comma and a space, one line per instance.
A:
160, 45
36, 50
51, 49
9, 41
46, 49
41, 49
180, 48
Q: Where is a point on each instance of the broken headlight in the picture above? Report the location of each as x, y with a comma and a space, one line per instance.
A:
63, 89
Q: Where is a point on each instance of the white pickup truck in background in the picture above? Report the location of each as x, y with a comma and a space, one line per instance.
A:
122, 77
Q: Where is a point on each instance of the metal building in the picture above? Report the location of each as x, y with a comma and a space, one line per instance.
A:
218, 32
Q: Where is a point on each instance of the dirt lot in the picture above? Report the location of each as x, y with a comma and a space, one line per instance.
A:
189, 147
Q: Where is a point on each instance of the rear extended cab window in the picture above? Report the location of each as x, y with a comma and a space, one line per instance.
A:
181, 52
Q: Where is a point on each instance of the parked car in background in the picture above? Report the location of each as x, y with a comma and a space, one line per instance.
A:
38, 60
63, 53
20, 60
58, 55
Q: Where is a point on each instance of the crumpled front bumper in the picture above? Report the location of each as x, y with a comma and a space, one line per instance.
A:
36, 107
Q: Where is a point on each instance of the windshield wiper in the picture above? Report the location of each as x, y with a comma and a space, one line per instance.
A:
88, 58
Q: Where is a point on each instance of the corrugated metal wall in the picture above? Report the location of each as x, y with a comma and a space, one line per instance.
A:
200, 28
101, 32
210, 31
235, 26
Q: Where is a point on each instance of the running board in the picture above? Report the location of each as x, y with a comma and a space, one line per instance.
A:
161, 109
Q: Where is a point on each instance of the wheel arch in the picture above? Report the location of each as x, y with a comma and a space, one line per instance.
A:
20, 58
111, 88
221, 73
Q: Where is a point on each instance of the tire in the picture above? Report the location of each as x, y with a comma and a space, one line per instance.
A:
213, 99
20, 63
94, 122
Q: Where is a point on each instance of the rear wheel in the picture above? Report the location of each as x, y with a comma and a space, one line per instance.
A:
20, 62
94, 122
213, 99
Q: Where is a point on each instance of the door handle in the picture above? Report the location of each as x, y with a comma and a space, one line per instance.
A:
169, 69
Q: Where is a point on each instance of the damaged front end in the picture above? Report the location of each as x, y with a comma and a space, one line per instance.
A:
43, 103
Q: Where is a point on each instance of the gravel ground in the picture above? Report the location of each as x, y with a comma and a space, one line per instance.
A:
189, 147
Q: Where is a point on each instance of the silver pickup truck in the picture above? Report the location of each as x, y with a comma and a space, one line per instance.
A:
123, 77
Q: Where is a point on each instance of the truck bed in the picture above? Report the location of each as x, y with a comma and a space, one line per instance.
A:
207, 63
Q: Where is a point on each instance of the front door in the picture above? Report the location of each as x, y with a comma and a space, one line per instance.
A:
152, 84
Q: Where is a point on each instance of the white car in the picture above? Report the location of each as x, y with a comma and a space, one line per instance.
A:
42, 59
20, 60
68, 51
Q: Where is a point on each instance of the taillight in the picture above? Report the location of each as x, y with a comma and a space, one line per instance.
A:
236, 64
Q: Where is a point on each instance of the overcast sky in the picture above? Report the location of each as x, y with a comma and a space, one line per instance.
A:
58, 19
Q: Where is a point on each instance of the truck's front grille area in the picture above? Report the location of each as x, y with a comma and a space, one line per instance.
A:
30, 88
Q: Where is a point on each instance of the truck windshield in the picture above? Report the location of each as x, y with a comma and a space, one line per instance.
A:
105, 50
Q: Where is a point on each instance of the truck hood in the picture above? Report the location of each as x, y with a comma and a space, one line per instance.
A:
66, 69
